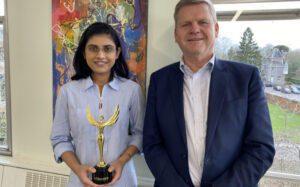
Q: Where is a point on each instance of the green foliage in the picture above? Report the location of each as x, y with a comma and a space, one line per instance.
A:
293, 60
267, 50
232, 54
222, 46
248, 51
3, 127
285, 123
290, 81
282, 48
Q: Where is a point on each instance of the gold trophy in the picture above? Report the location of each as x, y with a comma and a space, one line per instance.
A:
102, 176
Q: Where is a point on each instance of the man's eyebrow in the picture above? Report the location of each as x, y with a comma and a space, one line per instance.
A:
184, 22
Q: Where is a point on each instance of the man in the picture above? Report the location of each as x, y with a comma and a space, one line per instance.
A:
207, 121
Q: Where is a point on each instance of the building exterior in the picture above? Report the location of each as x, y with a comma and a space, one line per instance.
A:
275, 68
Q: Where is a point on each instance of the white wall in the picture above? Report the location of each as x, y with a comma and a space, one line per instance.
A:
29, 25
162, 49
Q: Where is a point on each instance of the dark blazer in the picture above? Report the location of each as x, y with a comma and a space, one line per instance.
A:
239, 139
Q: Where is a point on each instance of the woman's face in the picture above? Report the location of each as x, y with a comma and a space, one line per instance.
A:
101, 53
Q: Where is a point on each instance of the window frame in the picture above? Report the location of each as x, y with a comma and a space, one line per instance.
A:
223, 16
246, 1
4, 21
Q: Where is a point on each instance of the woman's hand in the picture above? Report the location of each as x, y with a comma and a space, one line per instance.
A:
116, 168
82, 172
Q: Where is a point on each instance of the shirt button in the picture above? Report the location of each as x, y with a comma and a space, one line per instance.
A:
183, 156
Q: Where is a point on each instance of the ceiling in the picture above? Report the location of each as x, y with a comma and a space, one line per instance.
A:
248, 15
247, 1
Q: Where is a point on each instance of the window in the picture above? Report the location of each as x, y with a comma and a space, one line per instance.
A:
5, 135
278, 78
272, 29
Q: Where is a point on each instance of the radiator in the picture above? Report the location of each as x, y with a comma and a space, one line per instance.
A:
18, 177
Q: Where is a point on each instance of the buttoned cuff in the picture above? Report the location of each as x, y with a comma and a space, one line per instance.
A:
60, 148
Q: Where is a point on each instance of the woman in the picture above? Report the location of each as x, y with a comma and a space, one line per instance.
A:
100, 81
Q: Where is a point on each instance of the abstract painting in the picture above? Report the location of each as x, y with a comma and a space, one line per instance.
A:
71, 17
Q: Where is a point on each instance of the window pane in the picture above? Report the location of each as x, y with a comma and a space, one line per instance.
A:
276, 51
3, 127
1, 7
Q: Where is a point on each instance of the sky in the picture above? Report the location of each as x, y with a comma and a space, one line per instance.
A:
280, 32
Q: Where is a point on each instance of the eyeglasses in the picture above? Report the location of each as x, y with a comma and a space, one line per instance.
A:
107, 49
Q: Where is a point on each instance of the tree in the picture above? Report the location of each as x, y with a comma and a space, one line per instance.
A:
222, 47
267, 50
232, 53
294, 66
282, 48
248, 51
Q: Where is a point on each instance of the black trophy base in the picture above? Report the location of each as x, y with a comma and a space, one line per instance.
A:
102, 176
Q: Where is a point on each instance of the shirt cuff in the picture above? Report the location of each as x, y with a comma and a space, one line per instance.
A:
136, 140
60, 148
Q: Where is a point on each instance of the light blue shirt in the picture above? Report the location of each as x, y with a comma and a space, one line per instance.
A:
71, 130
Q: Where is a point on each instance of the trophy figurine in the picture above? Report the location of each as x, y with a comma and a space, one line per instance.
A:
102, 176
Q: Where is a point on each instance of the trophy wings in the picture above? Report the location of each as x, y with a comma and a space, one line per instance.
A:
112, 120
90, 118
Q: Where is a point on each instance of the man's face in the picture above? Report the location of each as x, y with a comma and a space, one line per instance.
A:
196, 31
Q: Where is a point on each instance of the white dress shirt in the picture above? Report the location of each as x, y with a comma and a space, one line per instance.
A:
195, 101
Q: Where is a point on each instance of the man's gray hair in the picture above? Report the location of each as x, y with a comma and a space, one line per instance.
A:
183, 3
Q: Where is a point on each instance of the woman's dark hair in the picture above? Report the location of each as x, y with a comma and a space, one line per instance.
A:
82, 70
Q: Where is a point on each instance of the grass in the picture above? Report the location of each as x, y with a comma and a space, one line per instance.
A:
285, 124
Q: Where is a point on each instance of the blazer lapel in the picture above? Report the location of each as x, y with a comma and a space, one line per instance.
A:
216, 99
176, 91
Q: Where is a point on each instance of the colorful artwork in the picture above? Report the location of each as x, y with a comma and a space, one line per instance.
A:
71, 17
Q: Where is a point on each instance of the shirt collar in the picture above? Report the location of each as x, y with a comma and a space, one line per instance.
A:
88, 83
185, 69
114, 84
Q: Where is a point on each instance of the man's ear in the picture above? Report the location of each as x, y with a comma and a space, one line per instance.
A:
216, 29
175, 35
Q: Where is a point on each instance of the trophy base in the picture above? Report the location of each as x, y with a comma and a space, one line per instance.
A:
102, 176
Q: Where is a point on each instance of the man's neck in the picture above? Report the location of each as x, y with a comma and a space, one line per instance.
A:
196, 63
